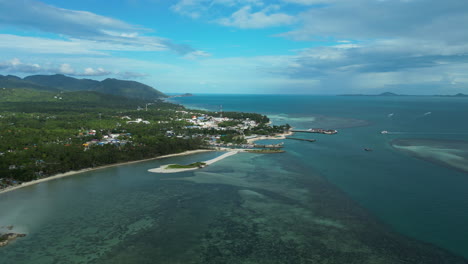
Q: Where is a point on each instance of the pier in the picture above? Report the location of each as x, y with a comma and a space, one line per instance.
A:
302, 139
316, 130
280, 145
248, 146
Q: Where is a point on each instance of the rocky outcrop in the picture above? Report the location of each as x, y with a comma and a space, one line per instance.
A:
5, 239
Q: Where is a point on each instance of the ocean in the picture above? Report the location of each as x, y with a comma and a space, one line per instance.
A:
329, 201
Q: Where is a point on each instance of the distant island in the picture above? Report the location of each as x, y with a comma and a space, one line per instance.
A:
389, 94
181, 95
456, 95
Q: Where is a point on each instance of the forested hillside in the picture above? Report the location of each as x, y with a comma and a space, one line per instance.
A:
46, 130
59, 82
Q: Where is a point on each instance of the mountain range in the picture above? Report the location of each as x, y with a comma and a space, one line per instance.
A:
62, 83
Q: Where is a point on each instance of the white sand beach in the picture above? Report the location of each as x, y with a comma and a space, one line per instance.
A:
71, 173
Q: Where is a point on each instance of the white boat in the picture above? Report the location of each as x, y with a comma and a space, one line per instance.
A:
384, 132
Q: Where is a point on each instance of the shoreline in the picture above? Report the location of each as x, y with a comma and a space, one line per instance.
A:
276, 136
164, 169
188, 152
71, 173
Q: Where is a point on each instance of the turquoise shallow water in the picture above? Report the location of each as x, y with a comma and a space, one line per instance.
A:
323, 201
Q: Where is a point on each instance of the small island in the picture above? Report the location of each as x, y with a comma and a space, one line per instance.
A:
266, 151
189, 166
6, 238
181, 95
173, 168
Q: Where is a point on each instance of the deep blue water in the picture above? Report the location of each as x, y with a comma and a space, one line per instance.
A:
323, 202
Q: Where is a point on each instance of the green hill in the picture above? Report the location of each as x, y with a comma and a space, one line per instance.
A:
25, 95
90, 97
63, 82
129, 89
33, 100
11, 81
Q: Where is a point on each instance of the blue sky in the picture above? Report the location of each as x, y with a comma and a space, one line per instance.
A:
244, 46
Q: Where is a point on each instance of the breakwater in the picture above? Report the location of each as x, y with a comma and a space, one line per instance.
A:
316, 131
302, 139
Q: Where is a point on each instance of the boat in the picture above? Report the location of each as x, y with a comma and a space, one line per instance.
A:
368, 149
384, 132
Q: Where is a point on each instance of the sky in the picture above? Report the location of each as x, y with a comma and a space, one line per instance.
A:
244, 46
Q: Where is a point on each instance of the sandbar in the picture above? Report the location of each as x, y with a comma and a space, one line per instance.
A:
164, 169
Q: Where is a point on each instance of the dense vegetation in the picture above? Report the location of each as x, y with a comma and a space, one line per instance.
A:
189, 166
45, 131
59, 82
38, 139
240, 115
11, 81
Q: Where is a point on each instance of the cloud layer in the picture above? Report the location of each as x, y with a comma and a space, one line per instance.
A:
384, 44
83, 28
246, 18
244, 14
17, 66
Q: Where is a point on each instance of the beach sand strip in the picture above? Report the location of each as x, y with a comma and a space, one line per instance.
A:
71, 173
164, 169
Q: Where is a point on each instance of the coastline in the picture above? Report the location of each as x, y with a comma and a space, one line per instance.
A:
71, 173
164, 169
276, 136
189, 152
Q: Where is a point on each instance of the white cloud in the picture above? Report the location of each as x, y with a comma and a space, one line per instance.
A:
309, 2
383, 45
198, 8
15, 65
83, 26
190, 8
371, 19
94, 72
197, 54
36, 45
235, 13
66, 69
68, 22
245, 18
88, 71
